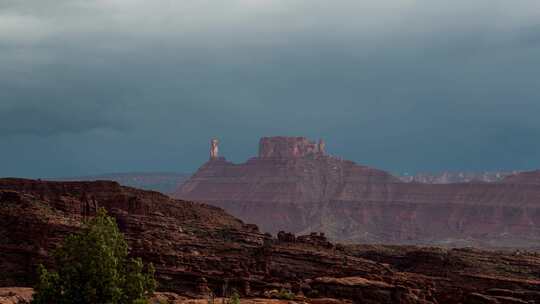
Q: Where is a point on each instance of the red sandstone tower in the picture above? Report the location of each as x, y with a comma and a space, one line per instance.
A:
214, 149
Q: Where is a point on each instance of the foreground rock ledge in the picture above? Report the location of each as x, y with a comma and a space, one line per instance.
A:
19, 295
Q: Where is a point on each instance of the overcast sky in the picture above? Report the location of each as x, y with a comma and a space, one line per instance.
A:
90, 87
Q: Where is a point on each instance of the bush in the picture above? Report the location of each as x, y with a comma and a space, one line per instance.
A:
93, 267
286, 295
235, 298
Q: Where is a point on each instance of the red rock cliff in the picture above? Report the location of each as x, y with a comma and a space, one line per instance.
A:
289, 147
197, 248
292, 187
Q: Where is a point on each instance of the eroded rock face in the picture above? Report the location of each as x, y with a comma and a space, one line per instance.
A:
290, 187
289, 147
15, 295
198, 249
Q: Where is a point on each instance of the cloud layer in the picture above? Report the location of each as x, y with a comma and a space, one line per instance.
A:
141, 85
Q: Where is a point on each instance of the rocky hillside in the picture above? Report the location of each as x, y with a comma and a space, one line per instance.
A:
294, 186
198, 249
155, 181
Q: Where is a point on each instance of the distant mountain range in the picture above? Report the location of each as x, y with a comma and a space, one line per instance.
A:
164, 182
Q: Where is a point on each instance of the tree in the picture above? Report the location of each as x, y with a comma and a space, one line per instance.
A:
93, 267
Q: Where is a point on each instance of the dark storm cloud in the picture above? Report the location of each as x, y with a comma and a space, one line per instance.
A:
99, 86
46, 121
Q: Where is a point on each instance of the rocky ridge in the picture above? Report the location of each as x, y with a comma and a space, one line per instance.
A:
156, 181
199, 249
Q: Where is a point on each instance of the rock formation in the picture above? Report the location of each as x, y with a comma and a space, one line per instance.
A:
289, 147
198, 248
156, 181
214, 149
322, 147
456, 177
292, 186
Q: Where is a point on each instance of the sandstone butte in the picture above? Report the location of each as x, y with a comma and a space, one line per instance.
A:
198, 249
294, 185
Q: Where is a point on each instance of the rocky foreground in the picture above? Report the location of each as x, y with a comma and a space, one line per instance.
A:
18, 295
294, 185
199, 250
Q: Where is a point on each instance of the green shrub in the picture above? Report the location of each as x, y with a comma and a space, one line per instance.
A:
93, 267
286, 295
234, 299
211, 298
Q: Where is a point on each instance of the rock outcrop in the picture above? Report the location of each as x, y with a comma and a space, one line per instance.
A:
289, 147
292, 186
199, 249
156, 181
15, 295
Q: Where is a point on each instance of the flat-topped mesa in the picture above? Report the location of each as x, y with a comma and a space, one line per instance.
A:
293, 186
289, 147
289, 176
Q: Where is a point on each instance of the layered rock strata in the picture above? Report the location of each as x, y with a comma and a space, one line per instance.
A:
199, 249
292, 186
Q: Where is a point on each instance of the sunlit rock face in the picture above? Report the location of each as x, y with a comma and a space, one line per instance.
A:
293, 186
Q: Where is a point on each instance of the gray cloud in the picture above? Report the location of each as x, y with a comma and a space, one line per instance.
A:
45, 120
141, 85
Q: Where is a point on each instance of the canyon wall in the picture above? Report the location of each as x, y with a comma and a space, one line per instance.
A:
309, 191
199, 249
